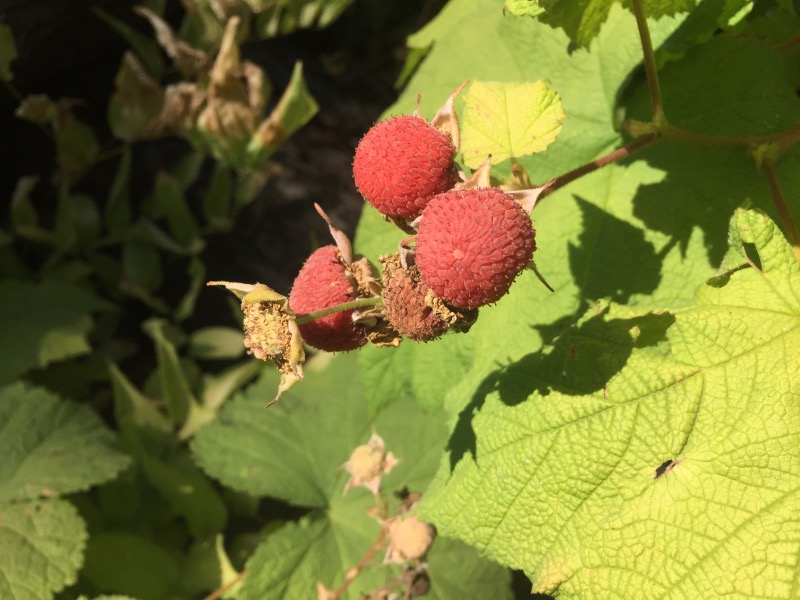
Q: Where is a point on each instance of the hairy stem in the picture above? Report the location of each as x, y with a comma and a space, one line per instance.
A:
656, 103
782, 207
784, 139
351, 574
324, 312
599, 163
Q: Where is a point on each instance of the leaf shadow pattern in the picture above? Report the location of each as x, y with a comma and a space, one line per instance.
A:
578, 362
612, 258
692, 195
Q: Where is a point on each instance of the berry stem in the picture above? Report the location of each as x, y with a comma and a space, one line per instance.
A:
781, 206
324, 312
351, 574
216, 594
650, 68
599, 163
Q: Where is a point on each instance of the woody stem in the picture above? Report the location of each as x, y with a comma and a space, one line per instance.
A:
330, 310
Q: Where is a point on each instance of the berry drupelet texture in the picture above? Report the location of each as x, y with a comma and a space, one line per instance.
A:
472, 244
402, 163
323, 282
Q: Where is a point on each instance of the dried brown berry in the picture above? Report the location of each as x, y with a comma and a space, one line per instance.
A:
413, 309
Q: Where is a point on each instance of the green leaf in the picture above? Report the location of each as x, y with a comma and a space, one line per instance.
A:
176, 392
141, 265
295, 108
459, 572
767, 104
136, 102
76, 144
294, 451
130, 565
217, 202
51, 447
508, 119
145, 48
77, 219
42, 324
524, 8
285, 16
189, 493
170, 200
135, 414
8, 52
196, 271
608, 444
218, 388
42, 545
216, 343
583, 19
37, 108
117, 211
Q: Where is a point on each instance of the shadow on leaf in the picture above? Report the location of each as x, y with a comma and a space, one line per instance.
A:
578, 362
612, 259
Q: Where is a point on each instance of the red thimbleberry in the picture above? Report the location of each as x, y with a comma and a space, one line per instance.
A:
321, 283
402, 163
472, 244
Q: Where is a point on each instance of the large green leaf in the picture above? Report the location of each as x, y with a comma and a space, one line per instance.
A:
42, 324
42, 545
295, 451
652, 453
49, 447
582, 19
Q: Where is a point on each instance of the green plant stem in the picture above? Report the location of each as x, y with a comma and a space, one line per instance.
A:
599, 163
782, 207
789, 44
324, 312
784, 139
218, 593
650, 68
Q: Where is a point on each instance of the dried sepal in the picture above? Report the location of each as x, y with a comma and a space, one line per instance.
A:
368, 463
187, 60
480, 178
446, 119
339, 237
270, 330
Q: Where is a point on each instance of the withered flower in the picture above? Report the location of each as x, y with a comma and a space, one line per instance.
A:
368, 463
270, 330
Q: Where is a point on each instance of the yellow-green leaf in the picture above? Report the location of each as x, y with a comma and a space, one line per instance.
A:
509, 119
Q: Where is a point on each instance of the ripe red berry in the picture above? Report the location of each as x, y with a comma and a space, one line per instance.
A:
402, 163
472, 244
323, 282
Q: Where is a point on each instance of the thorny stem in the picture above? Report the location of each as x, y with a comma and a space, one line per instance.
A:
650, 68
353, 573
598, 163
780, 205
218, 593
324, 312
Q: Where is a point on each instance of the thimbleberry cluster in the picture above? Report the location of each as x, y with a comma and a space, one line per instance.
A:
468, 242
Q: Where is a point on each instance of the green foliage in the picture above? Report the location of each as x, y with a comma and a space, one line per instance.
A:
51, 447
632, 434
505, 120
645, 419
47, 322
295, 452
